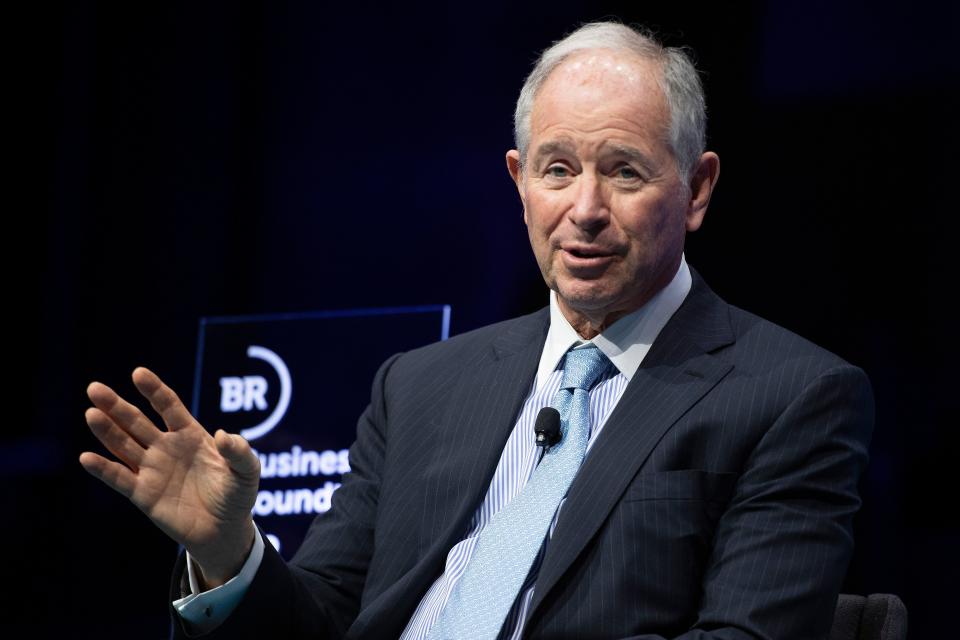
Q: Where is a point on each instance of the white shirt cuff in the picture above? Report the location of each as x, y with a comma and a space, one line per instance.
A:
207, 610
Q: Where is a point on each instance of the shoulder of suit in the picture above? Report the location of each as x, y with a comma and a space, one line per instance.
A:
770, 343
757, 343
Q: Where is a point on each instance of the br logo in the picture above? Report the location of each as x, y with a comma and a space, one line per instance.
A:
243, 393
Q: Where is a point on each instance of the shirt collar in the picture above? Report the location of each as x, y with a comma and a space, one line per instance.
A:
627, 341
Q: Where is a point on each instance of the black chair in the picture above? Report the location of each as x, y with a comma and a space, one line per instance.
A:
879, 616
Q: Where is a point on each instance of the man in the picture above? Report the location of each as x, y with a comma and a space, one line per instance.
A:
704, 482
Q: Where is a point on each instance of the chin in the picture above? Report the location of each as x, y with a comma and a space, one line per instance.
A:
586, 298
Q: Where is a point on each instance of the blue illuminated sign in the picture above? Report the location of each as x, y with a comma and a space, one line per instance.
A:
294, 385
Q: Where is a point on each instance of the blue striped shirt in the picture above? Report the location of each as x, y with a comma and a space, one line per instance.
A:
519, 459
625, 343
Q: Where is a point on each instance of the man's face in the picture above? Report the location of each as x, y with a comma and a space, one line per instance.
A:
604, 204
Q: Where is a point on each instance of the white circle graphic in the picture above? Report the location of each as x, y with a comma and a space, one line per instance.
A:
262, 353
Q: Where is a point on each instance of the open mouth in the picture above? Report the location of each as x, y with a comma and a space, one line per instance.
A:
587, 261
588, 253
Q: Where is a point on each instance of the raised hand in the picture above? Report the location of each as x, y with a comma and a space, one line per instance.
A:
197, 488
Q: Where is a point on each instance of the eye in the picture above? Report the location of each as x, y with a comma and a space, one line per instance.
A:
557, 171
626, 172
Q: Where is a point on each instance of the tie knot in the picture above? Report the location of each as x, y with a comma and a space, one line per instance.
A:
582, 368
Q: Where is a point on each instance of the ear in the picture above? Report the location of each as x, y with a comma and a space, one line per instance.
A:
702, 181
516, 172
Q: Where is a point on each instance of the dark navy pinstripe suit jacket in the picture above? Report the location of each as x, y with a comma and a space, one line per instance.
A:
716, 504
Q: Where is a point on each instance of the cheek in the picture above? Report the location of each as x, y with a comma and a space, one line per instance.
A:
652, 222
537, 233
539, 213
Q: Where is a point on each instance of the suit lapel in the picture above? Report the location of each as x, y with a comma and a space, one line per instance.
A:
481, 412
675, 374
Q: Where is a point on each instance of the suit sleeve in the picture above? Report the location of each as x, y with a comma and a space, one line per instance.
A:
783, 545
317, 594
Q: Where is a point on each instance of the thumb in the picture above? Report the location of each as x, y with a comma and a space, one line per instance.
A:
237, 452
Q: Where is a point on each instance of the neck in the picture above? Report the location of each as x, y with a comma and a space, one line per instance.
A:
590, 324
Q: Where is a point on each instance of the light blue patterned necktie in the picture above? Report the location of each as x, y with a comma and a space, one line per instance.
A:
510, 542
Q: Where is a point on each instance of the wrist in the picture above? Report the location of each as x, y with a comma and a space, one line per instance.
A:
225, 563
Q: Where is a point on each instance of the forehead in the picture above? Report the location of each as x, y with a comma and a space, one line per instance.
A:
600, 94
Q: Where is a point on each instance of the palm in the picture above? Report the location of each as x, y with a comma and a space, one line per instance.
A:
186, 487
199, 490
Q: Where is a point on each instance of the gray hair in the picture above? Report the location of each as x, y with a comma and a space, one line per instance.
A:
678, 80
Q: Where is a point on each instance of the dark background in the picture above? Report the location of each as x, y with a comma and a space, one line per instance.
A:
180, 160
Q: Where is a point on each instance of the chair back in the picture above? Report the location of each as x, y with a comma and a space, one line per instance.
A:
879, 616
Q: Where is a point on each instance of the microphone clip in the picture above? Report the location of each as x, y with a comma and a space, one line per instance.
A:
547, 427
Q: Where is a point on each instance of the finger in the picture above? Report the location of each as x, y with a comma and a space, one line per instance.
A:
113, 474
237, 452
116, 440
126, 416
162, 399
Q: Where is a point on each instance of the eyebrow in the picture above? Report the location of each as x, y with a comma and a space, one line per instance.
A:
630, 153
553, 146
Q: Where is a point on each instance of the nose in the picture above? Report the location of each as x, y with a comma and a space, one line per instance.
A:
590, 210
